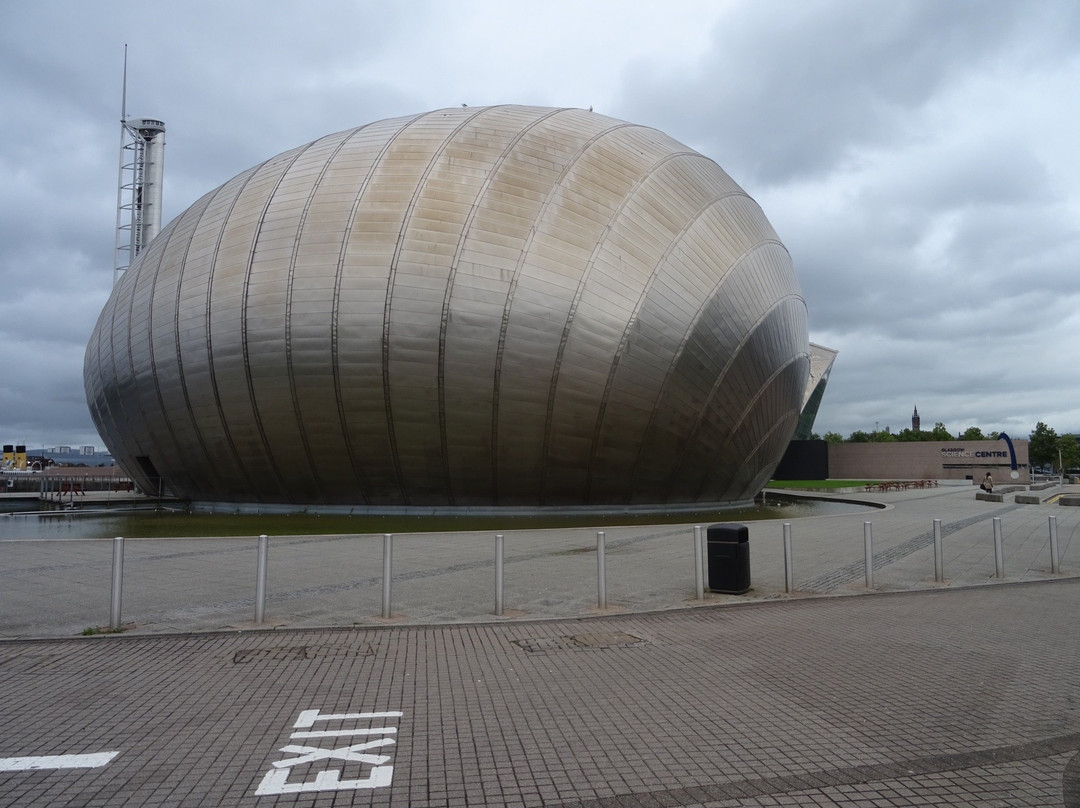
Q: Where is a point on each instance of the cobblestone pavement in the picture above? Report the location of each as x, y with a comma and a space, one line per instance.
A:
964, 696
923, 693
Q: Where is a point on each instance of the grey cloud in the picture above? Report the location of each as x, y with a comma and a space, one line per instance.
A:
914, 157
791, 89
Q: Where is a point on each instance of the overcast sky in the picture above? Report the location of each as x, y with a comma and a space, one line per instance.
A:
919, 159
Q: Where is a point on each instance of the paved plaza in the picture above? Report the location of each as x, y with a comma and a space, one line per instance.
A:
909, 692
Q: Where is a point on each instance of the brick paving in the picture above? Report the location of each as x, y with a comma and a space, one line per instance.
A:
964, 696
922, 694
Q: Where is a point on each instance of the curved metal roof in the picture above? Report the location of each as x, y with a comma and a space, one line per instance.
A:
483, 306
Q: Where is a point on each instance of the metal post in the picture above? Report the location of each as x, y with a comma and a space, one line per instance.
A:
699, 572
499, 574
601, 572
789, 569
387, 565
117, 582
999, 561
260, 579
939, 559
1055, 560
868, 552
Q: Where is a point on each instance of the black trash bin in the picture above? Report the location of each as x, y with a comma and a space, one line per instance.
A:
729, 558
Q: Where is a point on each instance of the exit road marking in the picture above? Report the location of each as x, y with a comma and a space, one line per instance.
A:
21, 764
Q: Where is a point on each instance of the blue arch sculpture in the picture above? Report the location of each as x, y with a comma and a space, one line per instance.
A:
1012, 451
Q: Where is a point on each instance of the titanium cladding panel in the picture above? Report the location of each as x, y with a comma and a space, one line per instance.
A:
508, 306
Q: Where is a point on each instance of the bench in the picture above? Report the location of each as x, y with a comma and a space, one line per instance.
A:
900, 485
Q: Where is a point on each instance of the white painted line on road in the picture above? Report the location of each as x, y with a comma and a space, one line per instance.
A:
308, 718
341, 733
21, 764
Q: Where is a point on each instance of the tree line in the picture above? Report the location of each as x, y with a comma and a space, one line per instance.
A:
1045, 446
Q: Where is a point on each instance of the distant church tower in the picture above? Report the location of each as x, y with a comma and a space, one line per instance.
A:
915, 420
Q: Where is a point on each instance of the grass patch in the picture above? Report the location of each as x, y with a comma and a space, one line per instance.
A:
93, 631
161, 525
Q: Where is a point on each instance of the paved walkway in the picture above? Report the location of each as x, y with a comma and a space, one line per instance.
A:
921, 694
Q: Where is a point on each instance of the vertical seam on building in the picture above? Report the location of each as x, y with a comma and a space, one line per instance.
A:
719, 382
305, 441
181, 373
525, 250
477, 203
605, 237
677, 356
624, 341
169, 233
249, 383
406, 220
335, 359
225, 431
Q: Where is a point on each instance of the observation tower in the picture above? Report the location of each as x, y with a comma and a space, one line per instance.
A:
138, 192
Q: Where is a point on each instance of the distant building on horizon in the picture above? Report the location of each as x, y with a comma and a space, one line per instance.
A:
76, 456
19, 457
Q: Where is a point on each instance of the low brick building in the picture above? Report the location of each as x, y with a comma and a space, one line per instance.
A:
915, 460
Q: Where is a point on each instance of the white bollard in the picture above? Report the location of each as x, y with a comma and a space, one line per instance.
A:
601, 571
999, 559
789, 568
939, 559
499, 574
387, 574
1055, 560
117, 594
868, 552
260, 578
699, 572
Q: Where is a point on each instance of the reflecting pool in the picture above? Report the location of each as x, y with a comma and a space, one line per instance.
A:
103, 524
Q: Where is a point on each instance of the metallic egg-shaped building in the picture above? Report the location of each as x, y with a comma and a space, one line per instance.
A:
471, 307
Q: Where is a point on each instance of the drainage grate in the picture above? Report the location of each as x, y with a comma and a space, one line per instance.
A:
579, 642
296, 653
29, 663
606, 639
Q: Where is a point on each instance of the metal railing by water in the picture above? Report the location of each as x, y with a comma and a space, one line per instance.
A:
602, 600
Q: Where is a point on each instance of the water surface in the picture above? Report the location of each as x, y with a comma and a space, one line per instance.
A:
105, 524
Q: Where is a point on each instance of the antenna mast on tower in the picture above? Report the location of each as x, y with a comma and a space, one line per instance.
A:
138, 191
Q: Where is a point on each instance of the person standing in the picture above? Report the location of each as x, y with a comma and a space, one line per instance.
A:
988, 483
